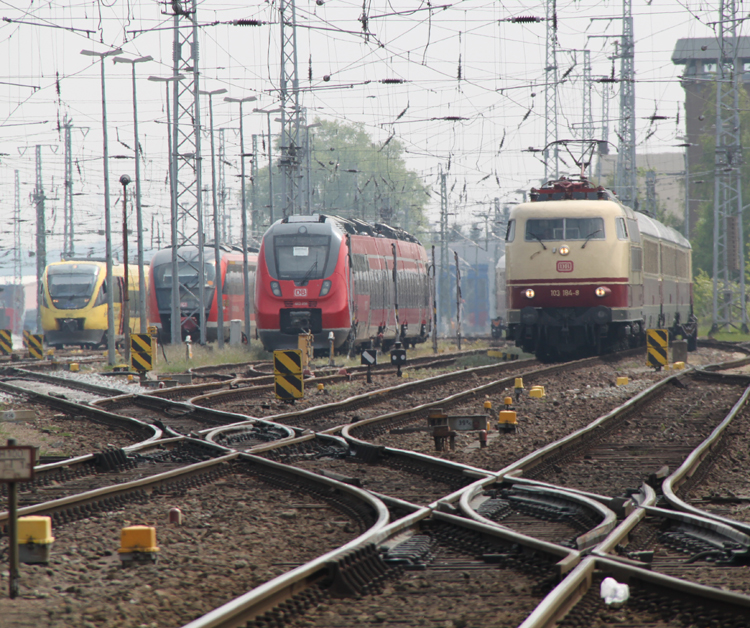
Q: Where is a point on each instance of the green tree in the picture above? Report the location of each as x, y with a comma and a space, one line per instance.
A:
351, 176
703, 232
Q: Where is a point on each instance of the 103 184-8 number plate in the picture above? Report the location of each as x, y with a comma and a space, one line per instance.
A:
564, 293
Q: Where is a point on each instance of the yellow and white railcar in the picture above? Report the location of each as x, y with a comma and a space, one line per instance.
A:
73, 301
586, 274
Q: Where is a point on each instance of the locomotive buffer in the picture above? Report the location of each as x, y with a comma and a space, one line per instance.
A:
287, 374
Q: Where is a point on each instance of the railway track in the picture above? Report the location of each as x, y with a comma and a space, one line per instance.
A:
641, 440
319, 516
432, 564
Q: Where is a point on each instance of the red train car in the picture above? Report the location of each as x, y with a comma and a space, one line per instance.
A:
326, 274
233, 291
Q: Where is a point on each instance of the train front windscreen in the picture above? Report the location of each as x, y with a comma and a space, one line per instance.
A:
302, 257
71, 286
189, 285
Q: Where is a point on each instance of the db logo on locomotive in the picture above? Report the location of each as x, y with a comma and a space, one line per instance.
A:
564, 266
302, 292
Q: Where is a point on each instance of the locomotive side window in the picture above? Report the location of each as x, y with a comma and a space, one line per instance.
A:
565, 229
510, 234
635, 233
622, 230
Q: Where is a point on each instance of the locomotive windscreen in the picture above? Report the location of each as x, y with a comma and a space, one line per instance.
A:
188, 277
301, 257
71, 286
564, 229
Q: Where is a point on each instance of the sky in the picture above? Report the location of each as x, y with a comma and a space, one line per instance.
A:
462, 60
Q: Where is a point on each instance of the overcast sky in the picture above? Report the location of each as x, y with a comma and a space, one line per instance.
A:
460, 59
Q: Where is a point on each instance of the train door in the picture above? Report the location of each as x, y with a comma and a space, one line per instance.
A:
117, 285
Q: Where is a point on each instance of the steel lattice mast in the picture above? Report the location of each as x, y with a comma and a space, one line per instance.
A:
226, 223
291, 156
18, 304
69, 225
186, 155
625, 180
587, 128
728, 253
550, 93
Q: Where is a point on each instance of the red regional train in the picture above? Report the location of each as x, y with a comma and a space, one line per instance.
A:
326, 274
585, 274
233, 291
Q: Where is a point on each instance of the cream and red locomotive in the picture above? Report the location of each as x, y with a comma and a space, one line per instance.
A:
585, 274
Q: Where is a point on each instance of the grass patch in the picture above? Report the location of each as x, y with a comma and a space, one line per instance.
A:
208, 355
724, 335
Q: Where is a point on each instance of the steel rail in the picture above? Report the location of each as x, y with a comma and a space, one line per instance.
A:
379, 394
135, 426
239, 611
64, 382
517, 468
563, 598
607, 518
701, 455
403, 416
217, 417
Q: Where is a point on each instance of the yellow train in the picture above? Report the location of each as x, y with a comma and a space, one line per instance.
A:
73, 301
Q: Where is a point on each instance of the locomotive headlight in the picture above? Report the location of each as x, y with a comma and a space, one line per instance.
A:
601, 291
325, 288
528, 293
564, 250
276, 288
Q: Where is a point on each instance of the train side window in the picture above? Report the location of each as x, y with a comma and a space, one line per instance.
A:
510, 234
622, 230
635, 234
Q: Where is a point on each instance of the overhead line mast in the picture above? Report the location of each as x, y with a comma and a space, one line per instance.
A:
625, 180
728, 253
291, 151
551, 170
186, 155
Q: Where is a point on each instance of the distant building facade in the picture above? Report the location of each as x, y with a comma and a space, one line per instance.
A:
700, 56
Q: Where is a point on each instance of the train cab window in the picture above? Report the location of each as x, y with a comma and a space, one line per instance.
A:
71, 286
301, 257
510, 234
565, 229
622, 230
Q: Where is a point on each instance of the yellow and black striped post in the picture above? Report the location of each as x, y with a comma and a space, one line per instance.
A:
657, 346
6, 342
141, 352
287, 371
26, 334
35, 343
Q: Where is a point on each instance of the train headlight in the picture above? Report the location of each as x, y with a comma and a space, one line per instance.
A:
276, 288
601, 291
529, 293
564, 250
325, 288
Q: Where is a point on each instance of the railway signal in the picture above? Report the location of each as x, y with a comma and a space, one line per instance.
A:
369, 358
398, 357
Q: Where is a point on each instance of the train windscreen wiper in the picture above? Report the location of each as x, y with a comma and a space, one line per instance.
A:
534, 235
308, 274
589, 236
